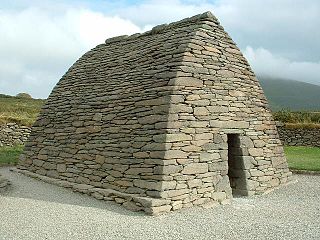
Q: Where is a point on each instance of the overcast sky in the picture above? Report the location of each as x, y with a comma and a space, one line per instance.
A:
41, 39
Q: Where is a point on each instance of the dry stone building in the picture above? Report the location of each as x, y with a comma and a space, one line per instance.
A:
159, 121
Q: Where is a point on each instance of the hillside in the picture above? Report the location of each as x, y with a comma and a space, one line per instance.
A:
19, 109
289, 94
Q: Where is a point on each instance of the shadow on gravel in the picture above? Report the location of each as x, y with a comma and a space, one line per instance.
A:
26, 187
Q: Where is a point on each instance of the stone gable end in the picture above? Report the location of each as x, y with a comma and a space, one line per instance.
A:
159, 121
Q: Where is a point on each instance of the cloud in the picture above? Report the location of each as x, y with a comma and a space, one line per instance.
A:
264, 62
162, 11
286, 27
37, 47
41, 39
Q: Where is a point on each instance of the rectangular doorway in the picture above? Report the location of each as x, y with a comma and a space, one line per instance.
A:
236, 170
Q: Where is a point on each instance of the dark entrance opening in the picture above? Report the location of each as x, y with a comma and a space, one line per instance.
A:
236, 170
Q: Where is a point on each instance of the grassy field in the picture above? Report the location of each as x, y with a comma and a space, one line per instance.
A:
10, 155
299, 158
303, 158
19, 110
298, 119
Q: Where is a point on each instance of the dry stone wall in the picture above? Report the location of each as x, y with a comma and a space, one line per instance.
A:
220, 96
159, 121
299, 136
13, 134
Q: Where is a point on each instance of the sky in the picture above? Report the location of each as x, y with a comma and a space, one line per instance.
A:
41, 39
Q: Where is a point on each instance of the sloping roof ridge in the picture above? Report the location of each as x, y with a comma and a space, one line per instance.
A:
163, 27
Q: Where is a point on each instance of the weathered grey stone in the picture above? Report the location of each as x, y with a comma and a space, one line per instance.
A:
219, 196
201, 111
49, 166
168, 116
191, 148
203, 136
158, 210
167, 185
223, 184
206, 157
169, 169
150, 185
156, 146
256, 152
178, 137
186, 81
61, 167
37, 162
218, 166
132, 206
195, 168
259, 143
173, 154
138, 170
97, 195
82, 187
147, 202
175, 193
194, 183
256, 173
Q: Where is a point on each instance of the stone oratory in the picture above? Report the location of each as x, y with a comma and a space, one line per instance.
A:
159, 121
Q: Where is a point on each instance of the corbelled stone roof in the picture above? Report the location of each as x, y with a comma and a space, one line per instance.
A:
159, 121
165, 27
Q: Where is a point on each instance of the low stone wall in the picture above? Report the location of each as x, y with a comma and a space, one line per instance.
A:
12, 134
299, 136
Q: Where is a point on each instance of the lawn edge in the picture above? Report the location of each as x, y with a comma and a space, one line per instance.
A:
305, 172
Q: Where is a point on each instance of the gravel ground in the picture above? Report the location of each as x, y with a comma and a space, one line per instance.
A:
35, 210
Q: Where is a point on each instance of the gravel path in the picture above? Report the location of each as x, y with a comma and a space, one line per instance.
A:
37, 210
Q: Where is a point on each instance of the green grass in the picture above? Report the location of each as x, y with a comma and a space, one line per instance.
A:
23, 111
10, 155
303, 158
297, 117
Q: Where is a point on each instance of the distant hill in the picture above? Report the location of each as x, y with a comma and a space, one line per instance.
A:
18, 109
290, 94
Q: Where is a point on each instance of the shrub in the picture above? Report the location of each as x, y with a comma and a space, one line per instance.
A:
23, 95
301, 117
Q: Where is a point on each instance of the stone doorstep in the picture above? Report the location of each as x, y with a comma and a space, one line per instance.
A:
132, 202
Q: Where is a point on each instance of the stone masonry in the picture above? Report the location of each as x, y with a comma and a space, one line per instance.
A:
12, 134
299, 136
159, 121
